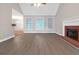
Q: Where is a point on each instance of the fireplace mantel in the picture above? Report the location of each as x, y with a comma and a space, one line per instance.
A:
72, 40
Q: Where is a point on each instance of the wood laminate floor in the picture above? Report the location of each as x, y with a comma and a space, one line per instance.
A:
37, 44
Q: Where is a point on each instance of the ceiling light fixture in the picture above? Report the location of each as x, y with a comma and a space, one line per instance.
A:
38, 4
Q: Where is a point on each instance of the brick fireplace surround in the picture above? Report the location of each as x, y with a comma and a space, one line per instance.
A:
71, 40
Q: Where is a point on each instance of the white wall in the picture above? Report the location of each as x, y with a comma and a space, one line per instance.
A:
65, 12
6, 20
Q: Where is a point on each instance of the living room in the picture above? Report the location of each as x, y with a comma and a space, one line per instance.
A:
39, 28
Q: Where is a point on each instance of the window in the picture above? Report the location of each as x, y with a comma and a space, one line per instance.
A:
39, 24
29, 24
50, 22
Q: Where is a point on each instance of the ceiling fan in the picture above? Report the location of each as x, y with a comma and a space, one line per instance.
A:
38, 4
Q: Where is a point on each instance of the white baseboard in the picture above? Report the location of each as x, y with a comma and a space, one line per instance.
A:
39, 32
59, 34
2, 40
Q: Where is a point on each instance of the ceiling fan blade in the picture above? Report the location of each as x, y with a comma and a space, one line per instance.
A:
43, 3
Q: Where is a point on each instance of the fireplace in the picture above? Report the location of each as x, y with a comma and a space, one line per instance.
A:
72, 33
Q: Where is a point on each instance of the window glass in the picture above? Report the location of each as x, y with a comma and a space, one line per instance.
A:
39, 24
50, 22
29, 23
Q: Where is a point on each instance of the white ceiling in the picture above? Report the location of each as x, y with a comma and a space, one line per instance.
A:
48, 9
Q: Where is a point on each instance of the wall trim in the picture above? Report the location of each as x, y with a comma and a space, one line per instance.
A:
38, 32
59, 34
70, 19
5, 39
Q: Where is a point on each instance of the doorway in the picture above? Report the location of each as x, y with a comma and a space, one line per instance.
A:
17, 22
